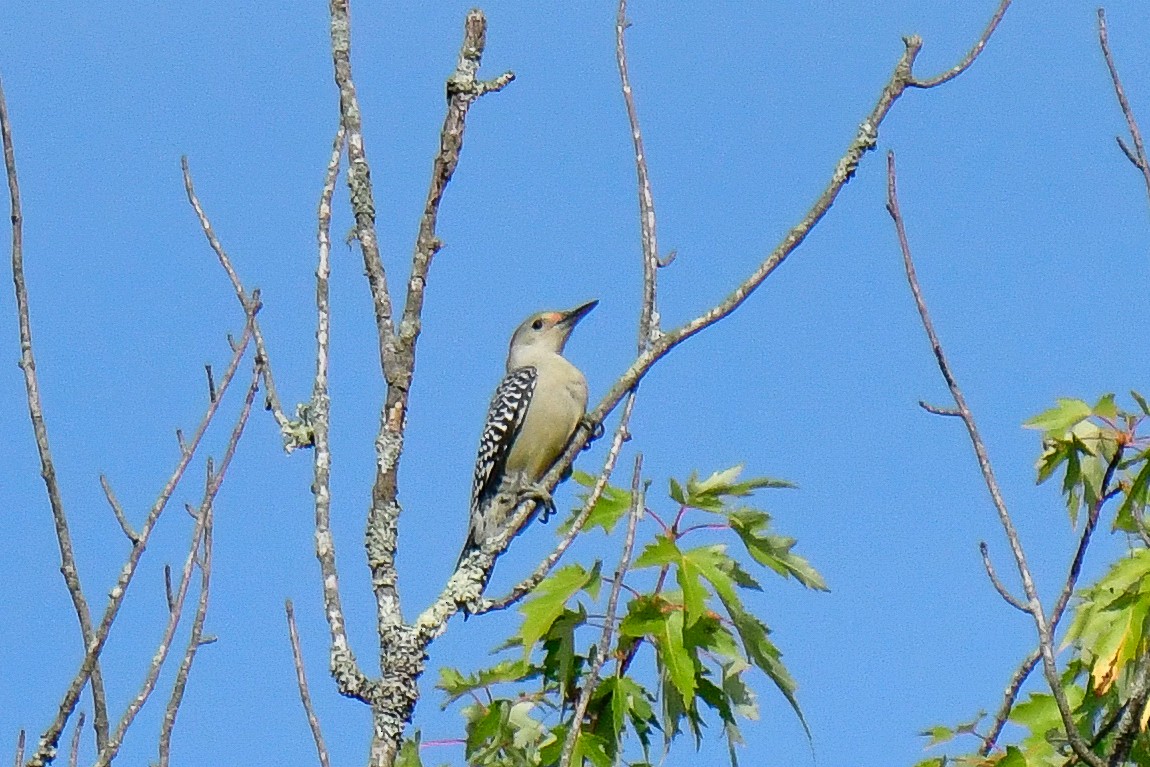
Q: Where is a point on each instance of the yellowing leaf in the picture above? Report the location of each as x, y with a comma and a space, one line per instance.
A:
1106, 666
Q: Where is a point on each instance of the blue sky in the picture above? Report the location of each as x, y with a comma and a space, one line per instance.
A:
1029, 227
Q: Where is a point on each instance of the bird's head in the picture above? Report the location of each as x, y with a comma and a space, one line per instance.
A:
547, 331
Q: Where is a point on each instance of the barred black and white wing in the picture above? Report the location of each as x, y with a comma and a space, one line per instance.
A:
504, 420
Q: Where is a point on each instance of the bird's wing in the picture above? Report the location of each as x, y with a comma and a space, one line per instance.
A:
504, 420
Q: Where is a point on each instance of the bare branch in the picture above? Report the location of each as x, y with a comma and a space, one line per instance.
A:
40, 429
973, 54
1008, 697
272, 401
211, 382
936, 410
998, 586
200, 536
462, 90
118, 510
301, 681
195, 641
74, 751
169, 594
46, 749
1044, 628
1084, 541
649, 312
592, 677
471, 576
1128, 152
1138, 154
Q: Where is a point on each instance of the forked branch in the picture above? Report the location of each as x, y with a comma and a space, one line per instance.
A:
1044, 626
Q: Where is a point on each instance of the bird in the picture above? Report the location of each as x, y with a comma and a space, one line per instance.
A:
535, 411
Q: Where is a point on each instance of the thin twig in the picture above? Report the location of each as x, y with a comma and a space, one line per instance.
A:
36, 412
1044, 628
1008, 697
118, 510
973, 54
648, 322
74, 750
649, 312
211, 382
195, 639
998, 585
199, 537
936, 410
169, 594
1138, 154
46, 749
592, 677
301, 682
1084, 541
272, 400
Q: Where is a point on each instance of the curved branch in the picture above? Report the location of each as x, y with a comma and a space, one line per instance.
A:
1044, 627
973, 54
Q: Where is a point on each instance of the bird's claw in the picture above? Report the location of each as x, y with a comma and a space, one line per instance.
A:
596, 429
543, 499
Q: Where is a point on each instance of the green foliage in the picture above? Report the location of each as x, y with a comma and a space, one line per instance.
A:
684, 649
1103, 459
408, 755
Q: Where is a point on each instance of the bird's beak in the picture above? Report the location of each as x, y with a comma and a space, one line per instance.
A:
571, 317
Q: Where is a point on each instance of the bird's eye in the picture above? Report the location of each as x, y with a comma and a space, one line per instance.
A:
537, 325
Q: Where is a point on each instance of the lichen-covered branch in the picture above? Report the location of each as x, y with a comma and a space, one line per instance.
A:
350, 680
359, 184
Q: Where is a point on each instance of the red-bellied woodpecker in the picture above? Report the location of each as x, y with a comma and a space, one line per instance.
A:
532, 416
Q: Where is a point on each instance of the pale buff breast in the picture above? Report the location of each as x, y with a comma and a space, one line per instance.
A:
559, 402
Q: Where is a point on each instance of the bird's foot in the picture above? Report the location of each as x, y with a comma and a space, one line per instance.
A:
541, 497
596, 429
